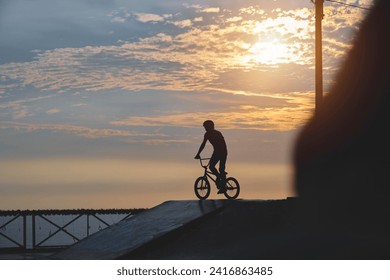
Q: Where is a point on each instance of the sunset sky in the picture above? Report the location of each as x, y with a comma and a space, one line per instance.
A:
102, 101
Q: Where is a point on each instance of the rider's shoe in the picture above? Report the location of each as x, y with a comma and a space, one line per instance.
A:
221, 186
222, 190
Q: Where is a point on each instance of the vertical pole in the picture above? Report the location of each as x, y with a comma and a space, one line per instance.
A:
25, 231
33, 231
318, 52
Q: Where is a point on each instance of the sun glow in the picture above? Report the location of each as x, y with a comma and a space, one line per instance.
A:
280, 40
268, 52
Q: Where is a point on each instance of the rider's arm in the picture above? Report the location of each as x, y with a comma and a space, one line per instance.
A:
201, 148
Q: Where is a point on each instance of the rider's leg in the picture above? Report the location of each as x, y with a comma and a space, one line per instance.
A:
222, 167
213, 162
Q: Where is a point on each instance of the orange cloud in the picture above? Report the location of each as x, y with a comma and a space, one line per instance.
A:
244, 117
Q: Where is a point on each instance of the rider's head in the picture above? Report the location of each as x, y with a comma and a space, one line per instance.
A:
208, 125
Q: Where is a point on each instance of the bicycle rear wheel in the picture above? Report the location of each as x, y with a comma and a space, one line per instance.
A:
232, 188
202, 188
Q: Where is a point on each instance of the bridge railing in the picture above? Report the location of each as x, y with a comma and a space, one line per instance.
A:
43, 229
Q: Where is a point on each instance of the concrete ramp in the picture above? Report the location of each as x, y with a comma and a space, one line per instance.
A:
124, 237
228, 230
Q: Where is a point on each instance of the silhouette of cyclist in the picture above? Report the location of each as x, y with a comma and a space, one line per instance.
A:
219, 155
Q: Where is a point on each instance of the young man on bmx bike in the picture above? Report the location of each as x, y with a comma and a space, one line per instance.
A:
219, 154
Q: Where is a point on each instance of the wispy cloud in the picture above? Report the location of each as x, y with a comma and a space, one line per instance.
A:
244, 117
142, 17
53, 111
211, 10
20, 114
82, 131
19, 109
182, 23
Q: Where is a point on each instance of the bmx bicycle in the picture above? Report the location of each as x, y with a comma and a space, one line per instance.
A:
202, 184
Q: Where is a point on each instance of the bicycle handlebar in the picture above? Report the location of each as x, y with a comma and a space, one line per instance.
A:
200, 160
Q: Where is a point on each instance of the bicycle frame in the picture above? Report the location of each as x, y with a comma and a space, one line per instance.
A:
230, 188
207, 172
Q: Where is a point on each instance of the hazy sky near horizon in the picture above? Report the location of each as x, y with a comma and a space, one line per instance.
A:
102, 101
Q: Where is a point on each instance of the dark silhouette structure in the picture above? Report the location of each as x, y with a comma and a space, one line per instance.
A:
342, 155
216, 139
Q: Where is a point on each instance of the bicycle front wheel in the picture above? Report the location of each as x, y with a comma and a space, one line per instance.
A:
232, 188
202, 188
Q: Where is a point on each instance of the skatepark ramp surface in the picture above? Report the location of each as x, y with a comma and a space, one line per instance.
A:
134, 232
227, 230
190, 229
